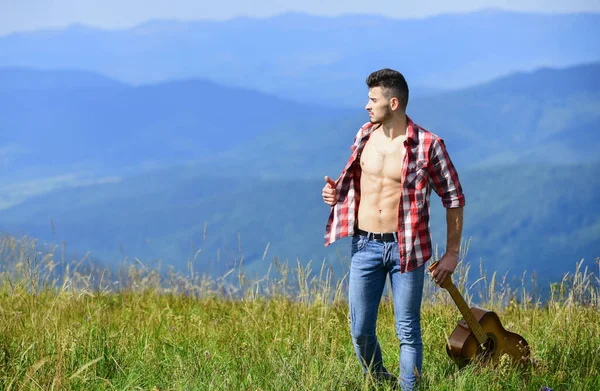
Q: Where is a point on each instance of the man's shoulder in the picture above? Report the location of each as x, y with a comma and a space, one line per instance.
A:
365, 128
424, 134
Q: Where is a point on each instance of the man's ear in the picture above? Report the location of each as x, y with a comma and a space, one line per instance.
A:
394, 104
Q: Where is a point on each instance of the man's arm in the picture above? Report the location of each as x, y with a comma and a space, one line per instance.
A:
449, 261
446, 184
454, 221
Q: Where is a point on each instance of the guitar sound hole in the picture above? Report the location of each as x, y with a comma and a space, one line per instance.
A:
487, 349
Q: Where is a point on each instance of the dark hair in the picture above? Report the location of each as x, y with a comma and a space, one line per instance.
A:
392, 82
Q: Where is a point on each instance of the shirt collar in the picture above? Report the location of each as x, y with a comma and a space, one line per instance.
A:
410, 129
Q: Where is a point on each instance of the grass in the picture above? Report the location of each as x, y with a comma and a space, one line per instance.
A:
65, 327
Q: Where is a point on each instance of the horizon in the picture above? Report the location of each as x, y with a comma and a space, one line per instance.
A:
18, 21
491, 80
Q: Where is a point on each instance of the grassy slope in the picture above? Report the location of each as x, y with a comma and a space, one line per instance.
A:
184, 334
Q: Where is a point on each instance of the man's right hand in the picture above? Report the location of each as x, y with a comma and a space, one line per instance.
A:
329, 194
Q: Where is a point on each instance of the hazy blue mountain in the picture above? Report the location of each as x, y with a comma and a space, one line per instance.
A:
76, 121
34, 79
521, 118
317, 59
54, 136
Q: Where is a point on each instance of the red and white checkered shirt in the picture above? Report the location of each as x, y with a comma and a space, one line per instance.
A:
426, 165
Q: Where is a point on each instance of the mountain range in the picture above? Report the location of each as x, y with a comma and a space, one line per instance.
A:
61, 122
72, 122
525, 145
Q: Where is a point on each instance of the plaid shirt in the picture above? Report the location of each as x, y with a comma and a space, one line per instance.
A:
426, 165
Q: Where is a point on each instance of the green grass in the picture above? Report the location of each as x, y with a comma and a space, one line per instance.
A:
288, 331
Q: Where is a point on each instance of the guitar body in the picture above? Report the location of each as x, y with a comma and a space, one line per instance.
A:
463, 348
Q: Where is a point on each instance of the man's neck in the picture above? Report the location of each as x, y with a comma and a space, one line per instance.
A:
394, 127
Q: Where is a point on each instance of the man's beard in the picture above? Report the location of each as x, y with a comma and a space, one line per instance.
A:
386, 115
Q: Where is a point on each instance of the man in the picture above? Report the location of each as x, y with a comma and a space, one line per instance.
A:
381, 199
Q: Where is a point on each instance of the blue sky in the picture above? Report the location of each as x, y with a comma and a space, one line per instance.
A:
17, 15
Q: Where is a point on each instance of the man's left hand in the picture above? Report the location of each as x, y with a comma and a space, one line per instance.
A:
445, 268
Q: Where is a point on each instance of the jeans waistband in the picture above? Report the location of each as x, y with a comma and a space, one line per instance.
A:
381, 236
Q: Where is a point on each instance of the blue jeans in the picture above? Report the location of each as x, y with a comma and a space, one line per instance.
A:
371, 261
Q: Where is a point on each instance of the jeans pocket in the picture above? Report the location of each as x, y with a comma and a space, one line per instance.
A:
358, 243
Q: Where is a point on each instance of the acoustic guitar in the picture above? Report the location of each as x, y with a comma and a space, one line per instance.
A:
480, 336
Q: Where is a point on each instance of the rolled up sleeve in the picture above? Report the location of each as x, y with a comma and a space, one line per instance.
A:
444, 177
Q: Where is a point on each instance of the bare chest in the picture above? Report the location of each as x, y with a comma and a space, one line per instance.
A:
383, 159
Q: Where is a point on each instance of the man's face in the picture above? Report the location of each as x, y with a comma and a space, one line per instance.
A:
378, 106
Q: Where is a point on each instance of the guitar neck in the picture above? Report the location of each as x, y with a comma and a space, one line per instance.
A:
466, 312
